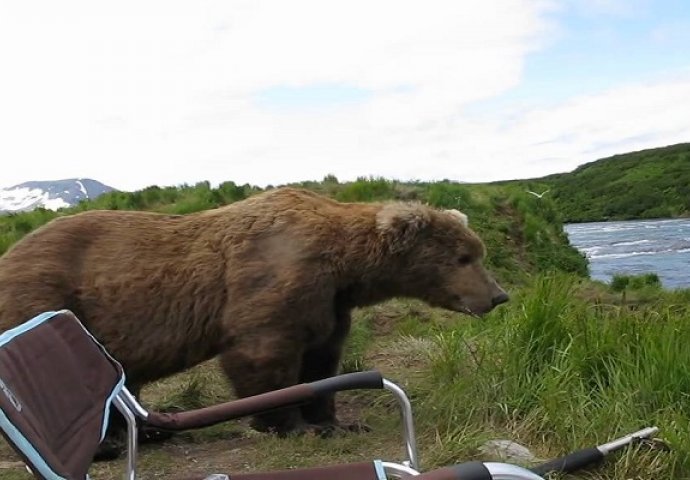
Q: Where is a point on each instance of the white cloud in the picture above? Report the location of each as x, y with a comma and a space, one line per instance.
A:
627, 118
540, 141
137, 93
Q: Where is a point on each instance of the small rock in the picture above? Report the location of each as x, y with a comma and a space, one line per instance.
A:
507, 451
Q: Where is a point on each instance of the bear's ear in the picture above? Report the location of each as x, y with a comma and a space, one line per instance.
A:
400, 223
460, 216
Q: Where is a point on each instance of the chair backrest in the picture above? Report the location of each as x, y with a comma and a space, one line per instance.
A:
57, 385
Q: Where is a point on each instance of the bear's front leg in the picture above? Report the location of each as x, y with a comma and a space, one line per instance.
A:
269, 363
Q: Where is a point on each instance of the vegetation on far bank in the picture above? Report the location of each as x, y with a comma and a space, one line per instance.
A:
652, 183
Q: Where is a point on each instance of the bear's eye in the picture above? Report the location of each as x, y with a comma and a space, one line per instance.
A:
464, 259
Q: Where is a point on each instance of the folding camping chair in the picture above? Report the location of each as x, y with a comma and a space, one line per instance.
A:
58, 385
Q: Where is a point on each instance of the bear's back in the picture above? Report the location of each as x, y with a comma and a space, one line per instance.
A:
50, 266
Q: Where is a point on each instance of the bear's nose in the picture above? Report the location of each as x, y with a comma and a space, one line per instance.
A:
500, 298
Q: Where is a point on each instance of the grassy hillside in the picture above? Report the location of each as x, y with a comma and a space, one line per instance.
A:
646, 184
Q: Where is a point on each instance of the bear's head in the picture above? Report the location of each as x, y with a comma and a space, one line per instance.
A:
437, 258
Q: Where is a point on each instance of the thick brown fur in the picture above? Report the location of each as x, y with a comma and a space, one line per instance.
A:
267, 283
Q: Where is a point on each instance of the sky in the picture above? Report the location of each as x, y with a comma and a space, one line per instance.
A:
135, 93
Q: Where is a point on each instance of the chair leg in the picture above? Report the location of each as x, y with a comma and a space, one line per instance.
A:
132, 444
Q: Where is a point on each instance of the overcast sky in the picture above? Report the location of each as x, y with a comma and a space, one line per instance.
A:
136, 93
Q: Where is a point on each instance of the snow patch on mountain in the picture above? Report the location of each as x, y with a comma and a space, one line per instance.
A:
51, 195
82, 188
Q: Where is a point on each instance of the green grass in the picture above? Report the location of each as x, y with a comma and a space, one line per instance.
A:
562, 372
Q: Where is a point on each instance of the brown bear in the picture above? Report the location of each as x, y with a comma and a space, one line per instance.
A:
267, 283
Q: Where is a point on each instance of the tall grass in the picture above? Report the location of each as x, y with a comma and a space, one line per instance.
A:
563, 372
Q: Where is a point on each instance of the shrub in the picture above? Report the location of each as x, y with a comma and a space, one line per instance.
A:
621, 282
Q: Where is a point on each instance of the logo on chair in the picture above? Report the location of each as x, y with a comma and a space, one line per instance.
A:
10, 396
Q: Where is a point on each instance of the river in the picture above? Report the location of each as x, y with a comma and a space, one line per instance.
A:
635, 247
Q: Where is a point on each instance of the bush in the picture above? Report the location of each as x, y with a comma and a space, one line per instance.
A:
621, 282
366, 190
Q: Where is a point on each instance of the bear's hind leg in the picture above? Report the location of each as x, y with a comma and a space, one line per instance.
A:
318, 364
323, 362
270, 364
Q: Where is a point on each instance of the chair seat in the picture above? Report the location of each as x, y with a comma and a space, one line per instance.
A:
57, 384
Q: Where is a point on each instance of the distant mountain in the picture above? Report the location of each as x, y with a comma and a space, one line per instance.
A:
50, 195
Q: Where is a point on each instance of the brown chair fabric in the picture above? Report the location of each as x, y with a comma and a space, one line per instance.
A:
56, 386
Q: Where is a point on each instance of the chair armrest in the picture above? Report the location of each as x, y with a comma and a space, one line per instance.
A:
277, 399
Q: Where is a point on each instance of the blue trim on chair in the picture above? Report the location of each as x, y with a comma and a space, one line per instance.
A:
25, 327
380, 470
27, 449
108, 404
